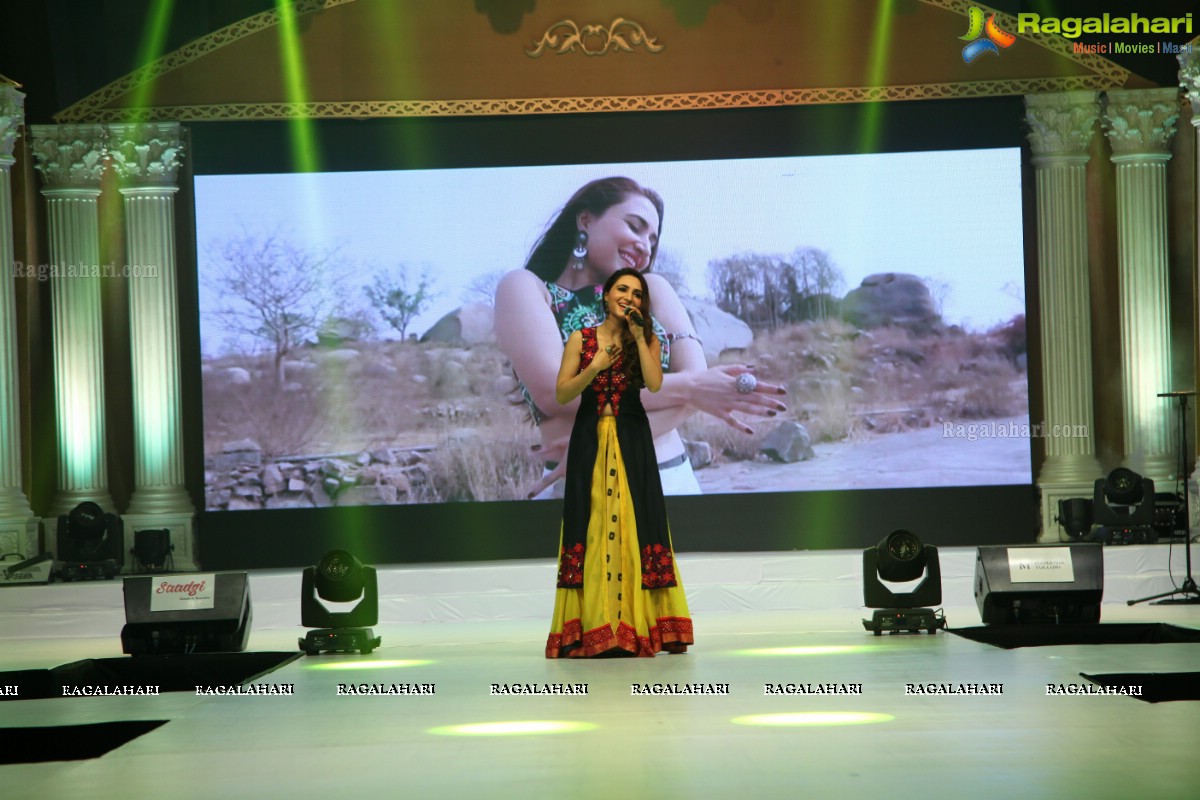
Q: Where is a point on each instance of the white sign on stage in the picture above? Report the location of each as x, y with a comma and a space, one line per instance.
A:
1040, 565
183, 592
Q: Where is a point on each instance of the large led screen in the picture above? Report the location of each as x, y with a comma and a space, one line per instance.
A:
364, 336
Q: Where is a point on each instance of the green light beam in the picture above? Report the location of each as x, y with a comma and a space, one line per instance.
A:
154, 40
301, 130
870, 132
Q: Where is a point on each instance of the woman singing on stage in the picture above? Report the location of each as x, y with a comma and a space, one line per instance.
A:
618, 588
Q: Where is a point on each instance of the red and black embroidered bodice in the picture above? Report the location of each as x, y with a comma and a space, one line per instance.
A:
611, 384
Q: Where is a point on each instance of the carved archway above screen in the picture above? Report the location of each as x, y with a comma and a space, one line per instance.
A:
374, 58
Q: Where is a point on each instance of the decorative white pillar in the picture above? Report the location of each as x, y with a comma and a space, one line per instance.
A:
18, 526
1061, 127
1189, 79
71, 160
147, 158
1140, 124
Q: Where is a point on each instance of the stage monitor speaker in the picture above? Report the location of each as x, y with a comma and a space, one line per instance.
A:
1039, 584
186, 613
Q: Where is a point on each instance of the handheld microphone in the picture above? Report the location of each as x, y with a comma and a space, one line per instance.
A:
633, 315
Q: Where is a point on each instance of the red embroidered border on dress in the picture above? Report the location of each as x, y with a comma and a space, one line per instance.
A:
658, 567
667, 630
570, 567
676, 629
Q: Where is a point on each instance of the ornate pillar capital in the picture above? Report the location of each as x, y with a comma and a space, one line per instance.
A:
146, 154
1061, 125
1141, 122
70, 156
1189, 79
12, 116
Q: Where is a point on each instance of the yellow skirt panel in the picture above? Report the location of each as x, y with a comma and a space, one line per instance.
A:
612, 612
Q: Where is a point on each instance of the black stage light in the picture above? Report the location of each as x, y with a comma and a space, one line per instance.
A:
90, 543
151, 549
1075, 516
1123, 509
1124, 487
901, 558
339, 578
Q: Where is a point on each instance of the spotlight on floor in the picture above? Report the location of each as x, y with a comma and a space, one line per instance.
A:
339, 578
1075, 516
152, 549
90, 543
901, 558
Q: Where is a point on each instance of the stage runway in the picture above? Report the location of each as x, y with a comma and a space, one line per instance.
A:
850, 714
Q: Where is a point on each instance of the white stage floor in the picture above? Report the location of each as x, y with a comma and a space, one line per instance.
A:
760, 619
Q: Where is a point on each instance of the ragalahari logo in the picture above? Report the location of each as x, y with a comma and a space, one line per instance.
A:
984, 37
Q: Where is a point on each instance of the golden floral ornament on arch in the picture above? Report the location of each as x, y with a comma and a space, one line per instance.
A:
594, 40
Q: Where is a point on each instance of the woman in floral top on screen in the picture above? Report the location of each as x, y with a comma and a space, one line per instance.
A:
610, 224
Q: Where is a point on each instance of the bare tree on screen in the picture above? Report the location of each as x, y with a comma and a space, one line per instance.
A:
737, 285
271, 291
816, 283
766, 291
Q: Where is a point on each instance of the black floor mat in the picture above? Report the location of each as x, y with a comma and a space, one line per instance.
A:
174, 673
1013, 636
1156, 687
70, 742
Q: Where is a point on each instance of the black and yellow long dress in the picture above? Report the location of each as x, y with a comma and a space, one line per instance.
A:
618, 587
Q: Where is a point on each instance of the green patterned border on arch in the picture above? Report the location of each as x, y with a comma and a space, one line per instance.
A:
386, 109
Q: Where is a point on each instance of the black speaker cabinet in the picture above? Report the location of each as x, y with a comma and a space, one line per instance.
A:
223, 628
1046, 584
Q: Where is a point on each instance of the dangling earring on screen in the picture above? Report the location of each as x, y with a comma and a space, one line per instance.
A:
579, 254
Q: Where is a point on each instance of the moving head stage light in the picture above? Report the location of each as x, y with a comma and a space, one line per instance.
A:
339, 578
901, 558
1123, 509
90, 543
